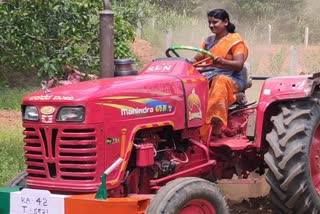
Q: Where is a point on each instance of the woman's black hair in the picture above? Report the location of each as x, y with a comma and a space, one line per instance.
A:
222, 15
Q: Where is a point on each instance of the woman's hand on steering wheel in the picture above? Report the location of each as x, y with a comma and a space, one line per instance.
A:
202, 63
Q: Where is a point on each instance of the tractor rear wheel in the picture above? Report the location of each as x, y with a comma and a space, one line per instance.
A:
187, 196
294, 157
18, 180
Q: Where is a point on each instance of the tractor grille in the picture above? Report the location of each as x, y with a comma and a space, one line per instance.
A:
62, 155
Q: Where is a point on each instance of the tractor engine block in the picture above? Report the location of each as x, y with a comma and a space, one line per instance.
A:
160, 152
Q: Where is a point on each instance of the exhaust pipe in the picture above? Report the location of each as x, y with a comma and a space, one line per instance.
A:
106, 41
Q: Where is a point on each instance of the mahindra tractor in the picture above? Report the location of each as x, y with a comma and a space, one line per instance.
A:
132, 144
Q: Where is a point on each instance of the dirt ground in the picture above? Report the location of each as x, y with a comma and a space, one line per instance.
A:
144, 51
10, 120
259, 205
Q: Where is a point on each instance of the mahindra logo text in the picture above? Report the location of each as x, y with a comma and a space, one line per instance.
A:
136, 111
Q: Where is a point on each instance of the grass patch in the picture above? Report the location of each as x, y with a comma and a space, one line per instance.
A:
11, 154
11, 98
11, 138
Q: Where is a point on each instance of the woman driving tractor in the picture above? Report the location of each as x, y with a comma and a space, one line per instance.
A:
230, 53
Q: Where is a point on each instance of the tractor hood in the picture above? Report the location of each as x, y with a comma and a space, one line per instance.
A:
92, 91
158, 93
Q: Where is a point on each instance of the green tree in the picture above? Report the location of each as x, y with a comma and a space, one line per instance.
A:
133, 11
44, 35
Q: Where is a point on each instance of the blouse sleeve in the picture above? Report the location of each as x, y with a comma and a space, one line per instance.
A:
203, 45
240, 48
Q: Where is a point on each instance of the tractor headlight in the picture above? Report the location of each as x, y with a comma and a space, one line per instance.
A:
71, 114
31, 113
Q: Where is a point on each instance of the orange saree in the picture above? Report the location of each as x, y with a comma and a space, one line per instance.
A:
223, 88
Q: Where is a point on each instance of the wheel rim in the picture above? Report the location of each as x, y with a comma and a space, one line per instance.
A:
198, 206
315, 160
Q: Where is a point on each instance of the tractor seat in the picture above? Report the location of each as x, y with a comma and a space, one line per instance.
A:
241, 97
247, 76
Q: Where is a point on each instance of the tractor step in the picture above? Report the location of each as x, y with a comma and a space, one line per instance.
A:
234, 143
87, 204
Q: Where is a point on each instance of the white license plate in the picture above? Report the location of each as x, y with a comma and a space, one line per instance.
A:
31, 201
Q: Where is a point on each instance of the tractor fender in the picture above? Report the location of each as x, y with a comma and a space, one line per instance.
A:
280, 89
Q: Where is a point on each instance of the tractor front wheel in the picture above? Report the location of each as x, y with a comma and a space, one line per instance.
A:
18, 180
294, 157
187, 196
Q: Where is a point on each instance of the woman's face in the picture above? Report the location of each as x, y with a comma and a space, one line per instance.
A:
217, 26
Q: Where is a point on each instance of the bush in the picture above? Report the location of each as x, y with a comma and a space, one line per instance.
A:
45, 35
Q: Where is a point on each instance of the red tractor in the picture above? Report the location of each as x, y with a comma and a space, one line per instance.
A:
142, 133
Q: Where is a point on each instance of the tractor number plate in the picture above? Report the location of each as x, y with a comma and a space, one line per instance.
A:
31, 201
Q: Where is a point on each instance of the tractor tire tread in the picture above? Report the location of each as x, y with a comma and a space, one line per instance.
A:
18, 180
292, 190
170, 198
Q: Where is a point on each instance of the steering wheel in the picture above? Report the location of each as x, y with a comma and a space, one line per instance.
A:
200, 63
